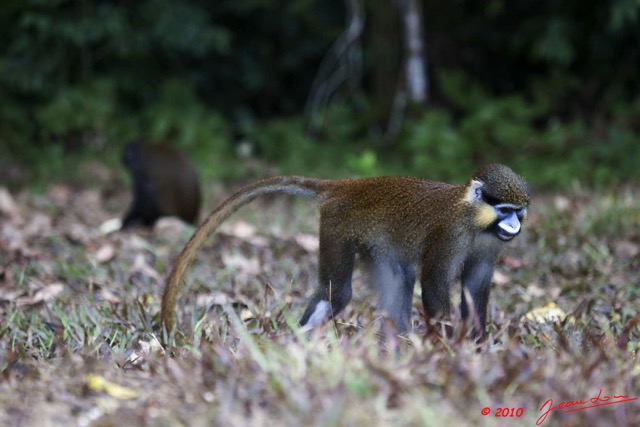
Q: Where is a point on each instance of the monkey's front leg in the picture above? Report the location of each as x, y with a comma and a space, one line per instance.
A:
435, 300
476, 280
436, 279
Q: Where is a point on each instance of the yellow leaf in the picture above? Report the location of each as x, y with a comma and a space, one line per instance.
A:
246, 314
548, 313
98, 383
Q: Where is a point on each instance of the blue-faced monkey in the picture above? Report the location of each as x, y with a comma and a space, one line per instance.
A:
397, 226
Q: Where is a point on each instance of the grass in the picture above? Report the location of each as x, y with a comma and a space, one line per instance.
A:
80, 343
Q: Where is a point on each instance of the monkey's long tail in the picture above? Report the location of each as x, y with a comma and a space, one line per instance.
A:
299, 186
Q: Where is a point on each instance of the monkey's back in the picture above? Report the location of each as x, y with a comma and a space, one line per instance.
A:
350, 203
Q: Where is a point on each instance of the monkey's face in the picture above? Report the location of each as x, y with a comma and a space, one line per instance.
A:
508, 220
501, 215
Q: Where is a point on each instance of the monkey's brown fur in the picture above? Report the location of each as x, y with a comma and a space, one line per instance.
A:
165, 183
394, 223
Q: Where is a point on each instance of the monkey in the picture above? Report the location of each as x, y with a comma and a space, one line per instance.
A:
398, 226
165, 183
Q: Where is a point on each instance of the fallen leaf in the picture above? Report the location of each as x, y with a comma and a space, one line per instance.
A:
308, 242
79, 233
246, 314
110, 226
105, 254
8, 206
250, 266
98, 383
548, 313
561, 203
47, 293
10, 294
137, 243
139, 356
535, 291
500, 278
215, 298
512, 262
11, 236
147, 347
626, 249
259, 241
39, 224
87, 204
108, 295
569, 263
141, 266
170, 226
240, 229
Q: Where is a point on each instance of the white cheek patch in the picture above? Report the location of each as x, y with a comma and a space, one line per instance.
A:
320, 314
474, 193
510, 224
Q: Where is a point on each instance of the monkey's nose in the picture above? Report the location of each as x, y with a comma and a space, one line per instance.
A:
509, 227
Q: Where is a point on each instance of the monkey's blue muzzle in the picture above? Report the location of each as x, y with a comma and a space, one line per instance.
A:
508, 225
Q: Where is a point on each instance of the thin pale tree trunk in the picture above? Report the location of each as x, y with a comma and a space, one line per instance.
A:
416, 60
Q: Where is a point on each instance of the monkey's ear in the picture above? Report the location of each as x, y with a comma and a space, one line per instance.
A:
474, 194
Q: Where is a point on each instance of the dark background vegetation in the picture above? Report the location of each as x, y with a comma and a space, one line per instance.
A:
548, 87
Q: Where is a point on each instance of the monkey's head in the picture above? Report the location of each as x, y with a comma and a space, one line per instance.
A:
500, 199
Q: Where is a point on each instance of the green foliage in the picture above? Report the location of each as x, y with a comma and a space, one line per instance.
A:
179, 118
554, 44
506, 129
91, 76
623, 13
364, 164
615, 215
287, 143
88, 107
435, 148
553, 90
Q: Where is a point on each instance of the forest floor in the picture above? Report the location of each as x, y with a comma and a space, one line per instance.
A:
80, 341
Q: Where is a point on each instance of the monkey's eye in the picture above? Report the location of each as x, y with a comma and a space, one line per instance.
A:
505, 210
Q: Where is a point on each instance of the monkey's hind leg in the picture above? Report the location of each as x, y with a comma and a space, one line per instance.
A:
393, 282
335, 268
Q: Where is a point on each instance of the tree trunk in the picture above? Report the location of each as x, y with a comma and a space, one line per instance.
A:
415, 67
